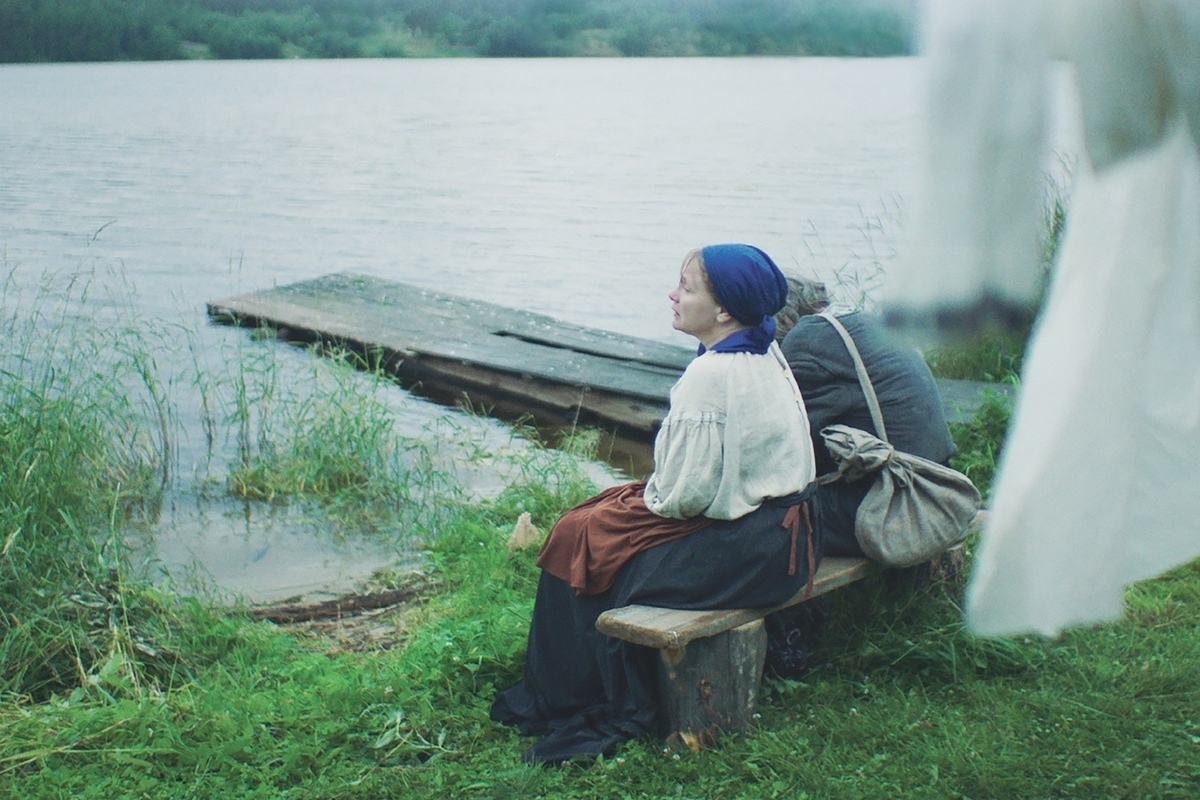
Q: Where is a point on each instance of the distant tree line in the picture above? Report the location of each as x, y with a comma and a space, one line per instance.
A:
112, 30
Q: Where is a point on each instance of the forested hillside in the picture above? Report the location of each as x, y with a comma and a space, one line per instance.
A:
110, 30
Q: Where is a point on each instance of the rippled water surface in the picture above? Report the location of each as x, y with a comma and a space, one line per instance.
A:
567, 187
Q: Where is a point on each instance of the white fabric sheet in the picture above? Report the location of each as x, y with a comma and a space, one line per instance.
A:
1100, 477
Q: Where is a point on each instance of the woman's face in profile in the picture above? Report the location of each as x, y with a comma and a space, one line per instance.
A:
693, 305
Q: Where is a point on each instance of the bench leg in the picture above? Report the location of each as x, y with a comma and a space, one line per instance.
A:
711, 685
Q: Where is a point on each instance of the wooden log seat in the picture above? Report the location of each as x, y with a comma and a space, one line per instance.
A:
711, 662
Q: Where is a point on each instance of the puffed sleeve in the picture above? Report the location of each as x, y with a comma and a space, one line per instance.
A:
689, 446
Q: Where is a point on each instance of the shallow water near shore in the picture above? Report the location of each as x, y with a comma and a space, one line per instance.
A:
565, 187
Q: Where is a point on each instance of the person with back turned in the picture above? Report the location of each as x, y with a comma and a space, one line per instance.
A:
824, 370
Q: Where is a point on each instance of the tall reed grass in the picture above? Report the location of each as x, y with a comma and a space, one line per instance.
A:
323, 429
84, 443
88, 425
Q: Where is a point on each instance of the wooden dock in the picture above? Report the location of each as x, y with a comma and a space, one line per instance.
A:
452, 348
509, 362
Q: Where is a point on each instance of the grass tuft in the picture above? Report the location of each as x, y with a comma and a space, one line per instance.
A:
980, 441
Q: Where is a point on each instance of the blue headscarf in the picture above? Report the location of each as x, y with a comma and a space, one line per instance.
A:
747, 284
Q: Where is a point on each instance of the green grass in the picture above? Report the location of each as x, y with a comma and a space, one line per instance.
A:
82, 447
111, 688
903, 702
980, 440
322, 432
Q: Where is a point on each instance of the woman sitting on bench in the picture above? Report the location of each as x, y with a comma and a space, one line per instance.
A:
723, 522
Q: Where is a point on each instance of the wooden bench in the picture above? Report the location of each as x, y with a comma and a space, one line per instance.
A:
711, 662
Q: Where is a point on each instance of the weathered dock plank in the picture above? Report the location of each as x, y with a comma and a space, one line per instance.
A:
488, 352
513, 361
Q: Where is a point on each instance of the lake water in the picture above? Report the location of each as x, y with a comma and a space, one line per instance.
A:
567, 187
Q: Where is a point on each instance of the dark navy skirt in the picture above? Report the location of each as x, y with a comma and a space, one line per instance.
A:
583, 692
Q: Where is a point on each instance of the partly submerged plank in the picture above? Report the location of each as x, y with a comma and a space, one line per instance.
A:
489, 352
514, 361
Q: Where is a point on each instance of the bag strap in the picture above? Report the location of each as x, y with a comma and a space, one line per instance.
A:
864, 380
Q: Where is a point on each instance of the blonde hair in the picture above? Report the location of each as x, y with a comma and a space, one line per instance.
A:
697, 256
805, 297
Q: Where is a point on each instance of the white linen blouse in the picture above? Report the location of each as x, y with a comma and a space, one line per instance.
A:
736, 434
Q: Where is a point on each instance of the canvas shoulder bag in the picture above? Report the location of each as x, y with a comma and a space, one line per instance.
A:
916, 509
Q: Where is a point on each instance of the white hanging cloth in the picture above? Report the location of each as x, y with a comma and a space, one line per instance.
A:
1099, 484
